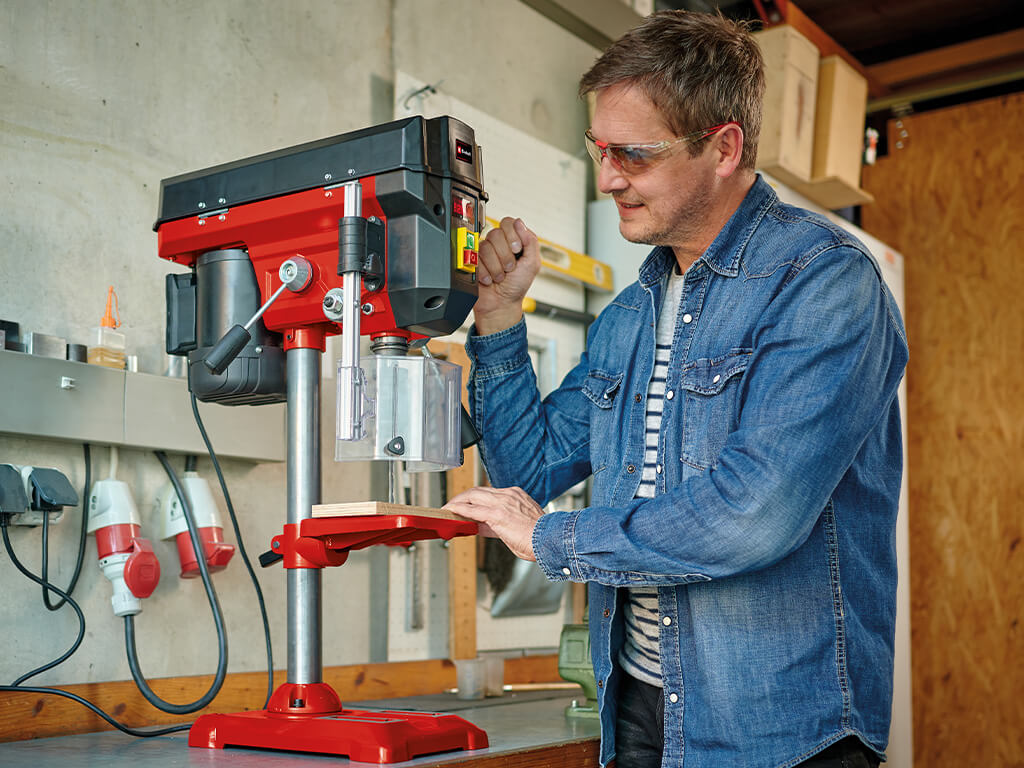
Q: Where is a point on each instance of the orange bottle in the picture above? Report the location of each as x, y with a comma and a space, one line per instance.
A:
108, 344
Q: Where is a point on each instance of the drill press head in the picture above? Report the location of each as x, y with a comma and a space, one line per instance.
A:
413, 245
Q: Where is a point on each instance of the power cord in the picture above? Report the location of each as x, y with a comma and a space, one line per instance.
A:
17, 687
83, 535
218, 617
241, 549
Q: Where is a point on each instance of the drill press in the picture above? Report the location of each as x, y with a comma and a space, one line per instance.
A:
372, 232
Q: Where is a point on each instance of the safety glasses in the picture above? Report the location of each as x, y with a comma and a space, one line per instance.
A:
633, 159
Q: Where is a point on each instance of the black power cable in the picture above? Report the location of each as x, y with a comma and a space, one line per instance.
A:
46, 587
82, 536
218, 617
241, 549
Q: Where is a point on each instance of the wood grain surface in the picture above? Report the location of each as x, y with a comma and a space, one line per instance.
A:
952, 200
32, 715
359, 508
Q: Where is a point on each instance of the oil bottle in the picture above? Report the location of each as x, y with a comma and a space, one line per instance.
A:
108, 346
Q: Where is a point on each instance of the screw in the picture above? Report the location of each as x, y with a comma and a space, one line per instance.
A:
222, 217
367, 309
351, 171
259, 350
327, 177
202, 222
221, 200
202, 204
328, 193
372, 219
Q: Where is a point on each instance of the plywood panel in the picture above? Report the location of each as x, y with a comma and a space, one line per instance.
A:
952, 201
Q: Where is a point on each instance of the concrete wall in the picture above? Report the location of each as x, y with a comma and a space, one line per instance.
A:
101, 100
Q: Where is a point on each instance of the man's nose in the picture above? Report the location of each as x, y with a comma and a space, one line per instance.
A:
610, 178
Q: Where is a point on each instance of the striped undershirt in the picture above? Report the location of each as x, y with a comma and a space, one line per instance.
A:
639, 656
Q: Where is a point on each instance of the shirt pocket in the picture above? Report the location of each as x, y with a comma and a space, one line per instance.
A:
601, 388
711, 410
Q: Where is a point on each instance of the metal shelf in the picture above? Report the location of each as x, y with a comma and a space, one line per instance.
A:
66, 400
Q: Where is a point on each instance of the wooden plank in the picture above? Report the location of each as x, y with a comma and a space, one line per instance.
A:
31, 715
951, 200
359, 508
461, 550
981, 53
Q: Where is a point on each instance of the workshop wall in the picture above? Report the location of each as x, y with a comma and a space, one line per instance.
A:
101, 101
950, 198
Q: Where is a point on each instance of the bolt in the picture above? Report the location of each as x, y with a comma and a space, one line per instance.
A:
222, 217
202, 204
202, 222
331, 302
327, 177
259, 350
372, 219
328, 193
367, 309
351, 171
221, 200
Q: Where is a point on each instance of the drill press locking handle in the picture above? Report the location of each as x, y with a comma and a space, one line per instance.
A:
295, 275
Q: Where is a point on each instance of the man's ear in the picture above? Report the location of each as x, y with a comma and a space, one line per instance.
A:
728, 144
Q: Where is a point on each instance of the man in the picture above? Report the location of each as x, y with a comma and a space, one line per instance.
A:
737, 410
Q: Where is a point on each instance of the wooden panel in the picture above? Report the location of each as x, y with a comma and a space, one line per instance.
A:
461, 550
952, 201
359, 508
31, 715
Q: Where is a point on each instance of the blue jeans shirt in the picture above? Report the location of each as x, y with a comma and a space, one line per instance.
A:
771, 539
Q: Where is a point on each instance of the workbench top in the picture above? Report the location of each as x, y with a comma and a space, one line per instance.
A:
520, 727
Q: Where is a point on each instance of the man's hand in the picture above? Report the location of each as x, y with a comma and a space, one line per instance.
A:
502, 279
508, 514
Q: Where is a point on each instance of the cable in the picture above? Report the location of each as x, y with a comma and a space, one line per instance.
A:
241, 549
46, 586
218, 617
98, 711
83, 535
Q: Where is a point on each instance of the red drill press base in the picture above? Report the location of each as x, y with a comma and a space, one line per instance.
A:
362, 736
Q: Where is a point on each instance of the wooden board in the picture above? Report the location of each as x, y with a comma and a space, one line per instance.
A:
32, 715
951, 199
357, 508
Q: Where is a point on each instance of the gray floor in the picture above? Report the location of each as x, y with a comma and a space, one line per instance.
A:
512, 722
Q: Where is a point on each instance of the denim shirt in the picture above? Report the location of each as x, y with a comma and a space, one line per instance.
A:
771, 537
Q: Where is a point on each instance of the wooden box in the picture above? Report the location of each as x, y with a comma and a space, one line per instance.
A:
786, 145
838, 136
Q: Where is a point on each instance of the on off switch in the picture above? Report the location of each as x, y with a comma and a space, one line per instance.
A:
466, 250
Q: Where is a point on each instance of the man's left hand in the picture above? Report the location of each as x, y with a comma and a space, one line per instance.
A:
505, 513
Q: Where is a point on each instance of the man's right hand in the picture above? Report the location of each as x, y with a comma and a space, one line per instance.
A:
502, 279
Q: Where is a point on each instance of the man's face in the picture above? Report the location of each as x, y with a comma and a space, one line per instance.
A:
667, 204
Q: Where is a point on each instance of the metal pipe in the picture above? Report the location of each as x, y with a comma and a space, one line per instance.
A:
305, 612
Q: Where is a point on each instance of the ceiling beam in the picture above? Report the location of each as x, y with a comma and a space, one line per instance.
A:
984, 57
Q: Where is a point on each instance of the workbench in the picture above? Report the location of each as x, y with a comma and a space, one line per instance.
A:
524, 729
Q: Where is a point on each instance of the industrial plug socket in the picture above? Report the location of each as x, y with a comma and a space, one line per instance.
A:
204, 510
127, 559
45, 491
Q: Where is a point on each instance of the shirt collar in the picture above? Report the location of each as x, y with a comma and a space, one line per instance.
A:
725, 252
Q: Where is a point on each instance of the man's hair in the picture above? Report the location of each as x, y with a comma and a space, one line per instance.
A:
699, 70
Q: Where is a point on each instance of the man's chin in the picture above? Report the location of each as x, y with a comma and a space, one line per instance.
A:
634, 234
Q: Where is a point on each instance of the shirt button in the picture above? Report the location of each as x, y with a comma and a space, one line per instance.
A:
566, 571
659, 469
687, 318
630, 469
667, 620
673, 698
717, 379
669, 395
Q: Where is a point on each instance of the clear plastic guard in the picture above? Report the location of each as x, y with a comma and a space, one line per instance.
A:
410, 412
